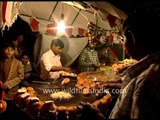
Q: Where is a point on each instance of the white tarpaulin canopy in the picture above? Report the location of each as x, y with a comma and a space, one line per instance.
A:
76, 14
51, 11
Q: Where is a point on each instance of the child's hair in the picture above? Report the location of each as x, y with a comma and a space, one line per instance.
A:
3, 46
6, 45
25, 53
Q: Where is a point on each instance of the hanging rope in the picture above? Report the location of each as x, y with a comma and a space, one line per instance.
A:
62, 14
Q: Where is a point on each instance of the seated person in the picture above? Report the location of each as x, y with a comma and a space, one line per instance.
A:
16, 42
26, 65
103, 54
50, 63
11, 69
88, 58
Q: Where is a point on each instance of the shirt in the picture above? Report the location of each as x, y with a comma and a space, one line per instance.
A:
27, 67
11, 74
48, 60
140, 96
87, 59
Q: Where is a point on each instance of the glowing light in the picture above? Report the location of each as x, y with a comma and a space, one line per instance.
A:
61, 27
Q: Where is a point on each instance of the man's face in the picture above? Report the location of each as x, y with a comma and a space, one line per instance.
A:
56, 49
92, 45
130, 45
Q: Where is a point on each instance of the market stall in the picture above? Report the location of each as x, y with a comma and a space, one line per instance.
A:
96, 22
85, 18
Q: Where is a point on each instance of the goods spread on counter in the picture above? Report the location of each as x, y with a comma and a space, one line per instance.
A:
63, 104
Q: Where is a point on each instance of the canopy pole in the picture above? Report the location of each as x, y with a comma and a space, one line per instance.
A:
81, 14
76, 16
53, 11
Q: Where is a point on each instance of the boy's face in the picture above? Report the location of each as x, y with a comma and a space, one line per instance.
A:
24, 59
56, 49
16, 43
8, 52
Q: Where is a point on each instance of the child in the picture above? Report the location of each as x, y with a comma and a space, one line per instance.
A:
11, 70
26, 65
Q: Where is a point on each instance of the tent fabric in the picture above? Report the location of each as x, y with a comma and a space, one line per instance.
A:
72, 16
42, 26
1, 14
9, 13
105, 8
103, 14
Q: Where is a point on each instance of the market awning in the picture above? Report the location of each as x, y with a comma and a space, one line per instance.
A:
76, 14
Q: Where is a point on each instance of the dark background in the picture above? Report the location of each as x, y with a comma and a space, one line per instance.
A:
20, 27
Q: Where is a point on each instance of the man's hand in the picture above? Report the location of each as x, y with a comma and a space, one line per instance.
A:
88, 111
96, 66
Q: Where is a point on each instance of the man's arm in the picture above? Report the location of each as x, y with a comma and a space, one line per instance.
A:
50, 67
59, 68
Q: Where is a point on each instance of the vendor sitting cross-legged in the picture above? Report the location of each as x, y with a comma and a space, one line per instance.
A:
50, 64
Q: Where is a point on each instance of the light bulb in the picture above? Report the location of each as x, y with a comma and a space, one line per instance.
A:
61, 27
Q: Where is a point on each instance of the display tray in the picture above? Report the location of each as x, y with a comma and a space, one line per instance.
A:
44, 89
107, 76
